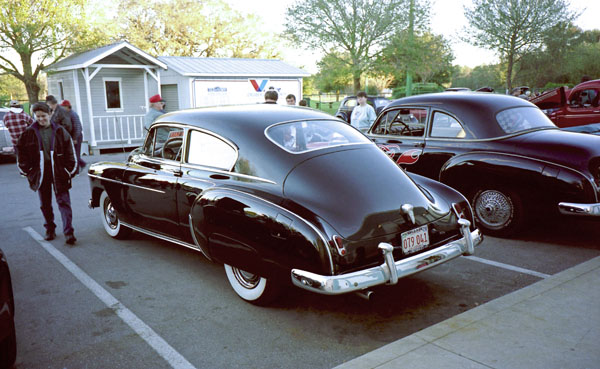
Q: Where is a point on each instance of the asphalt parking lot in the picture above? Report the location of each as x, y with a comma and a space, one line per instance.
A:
145, 303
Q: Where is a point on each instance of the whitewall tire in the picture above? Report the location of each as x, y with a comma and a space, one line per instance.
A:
110, 219
250, 287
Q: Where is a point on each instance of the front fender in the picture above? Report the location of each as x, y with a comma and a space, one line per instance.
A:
256, 235
539, 178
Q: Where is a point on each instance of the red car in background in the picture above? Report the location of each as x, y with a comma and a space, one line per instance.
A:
572, 107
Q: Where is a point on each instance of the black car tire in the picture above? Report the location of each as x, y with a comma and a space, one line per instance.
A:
110, 220
251, 287
498, 211
8, 346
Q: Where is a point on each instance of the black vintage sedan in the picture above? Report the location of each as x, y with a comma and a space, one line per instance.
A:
282, 195
500, 151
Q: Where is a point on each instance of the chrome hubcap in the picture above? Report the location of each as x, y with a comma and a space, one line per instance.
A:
493, 209
246, 279
110, 215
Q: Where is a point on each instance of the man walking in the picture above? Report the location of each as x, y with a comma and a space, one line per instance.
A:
271, 97
77, 132
59, 114
47, 158
16, 121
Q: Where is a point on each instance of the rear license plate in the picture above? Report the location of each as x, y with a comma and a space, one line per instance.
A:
415, 240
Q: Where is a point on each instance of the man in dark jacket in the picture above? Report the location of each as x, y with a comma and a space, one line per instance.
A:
77, 135
46, 155
59, 114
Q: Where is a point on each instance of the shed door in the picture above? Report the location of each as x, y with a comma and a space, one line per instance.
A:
169, 93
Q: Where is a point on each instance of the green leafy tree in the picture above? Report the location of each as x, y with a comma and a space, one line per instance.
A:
35, 34
514, 27
11, 88
353, 31
193, 28
334, 74
480, 76
429, 55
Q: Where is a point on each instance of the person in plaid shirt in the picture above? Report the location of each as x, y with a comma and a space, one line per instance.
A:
16, 120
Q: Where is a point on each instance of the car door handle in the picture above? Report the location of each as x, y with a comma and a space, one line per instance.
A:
394, 141
178, 173
219, 176
420, 144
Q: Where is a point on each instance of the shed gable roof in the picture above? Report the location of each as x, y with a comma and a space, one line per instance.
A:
197, 67
123, 50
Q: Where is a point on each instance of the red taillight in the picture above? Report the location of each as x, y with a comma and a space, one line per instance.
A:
339, 245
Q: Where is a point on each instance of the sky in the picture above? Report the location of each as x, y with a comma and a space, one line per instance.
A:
447, 19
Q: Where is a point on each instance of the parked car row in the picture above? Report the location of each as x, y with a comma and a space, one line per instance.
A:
289, 196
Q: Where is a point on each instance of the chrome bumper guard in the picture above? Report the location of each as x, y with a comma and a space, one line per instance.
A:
570, 208
390, 271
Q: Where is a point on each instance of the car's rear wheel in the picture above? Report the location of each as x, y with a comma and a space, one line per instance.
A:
110, 219
498, 211
251, 287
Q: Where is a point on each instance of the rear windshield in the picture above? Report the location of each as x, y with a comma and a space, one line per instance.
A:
523, 119
303, 136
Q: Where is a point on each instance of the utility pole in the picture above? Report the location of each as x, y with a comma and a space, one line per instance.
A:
411, 25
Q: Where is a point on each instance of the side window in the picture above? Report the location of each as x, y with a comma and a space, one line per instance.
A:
112, 94
403, 122
210, 151
443, 125
164, 142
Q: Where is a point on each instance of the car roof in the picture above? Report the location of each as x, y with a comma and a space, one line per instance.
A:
244, 126
474, 109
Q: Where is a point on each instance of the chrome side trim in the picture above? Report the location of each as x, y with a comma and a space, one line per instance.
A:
123, 183
323, 238
226, 172
162, 237
570, 208
386, 273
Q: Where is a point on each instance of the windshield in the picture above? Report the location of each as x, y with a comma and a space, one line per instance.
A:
303, 136
522, 119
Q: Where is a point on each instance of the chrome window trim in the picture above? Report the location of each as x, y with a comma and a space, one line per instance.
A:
210, 133
311, 150
123, 183
319, 233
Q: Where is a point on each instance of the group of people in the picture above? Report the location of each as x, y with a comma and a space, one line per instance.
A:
48, 150
271, 97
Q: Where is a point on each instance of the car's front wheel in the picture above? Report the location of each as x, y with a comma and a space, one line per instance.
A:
251, 287
498, 211
110, 219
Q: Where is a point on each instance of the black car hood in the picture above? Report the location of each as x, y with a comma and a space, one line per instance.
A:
570, 149
360, 192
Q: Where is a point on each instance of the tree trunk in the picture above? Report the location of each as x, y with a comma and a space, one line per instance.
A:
356, 84
29, 79
509, 71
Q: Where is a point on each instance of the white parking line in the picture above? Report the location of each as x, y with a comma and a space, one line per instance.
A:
175, 359
509, 267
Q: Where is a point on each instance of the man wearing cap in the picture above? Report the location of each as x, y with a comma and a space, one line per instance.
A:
16, 121
156, 110
59, 114
77, 132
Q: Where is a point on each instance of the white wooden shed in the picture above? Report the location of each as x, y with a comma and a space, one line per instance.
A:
109, 87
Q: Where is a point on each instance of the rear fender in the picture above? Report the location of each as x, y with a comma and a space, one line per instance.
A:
535, 178
256, 235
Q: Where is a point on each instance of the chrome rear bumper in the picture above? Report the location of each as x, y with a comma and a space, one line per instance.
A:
390, 271
570, 208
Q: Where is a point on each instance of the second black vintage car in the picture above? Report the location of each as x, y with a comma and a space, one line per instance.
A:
282, 196
500, 151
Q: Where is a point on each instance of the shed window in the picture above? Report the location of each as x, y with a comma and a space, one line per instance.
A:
112, 94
